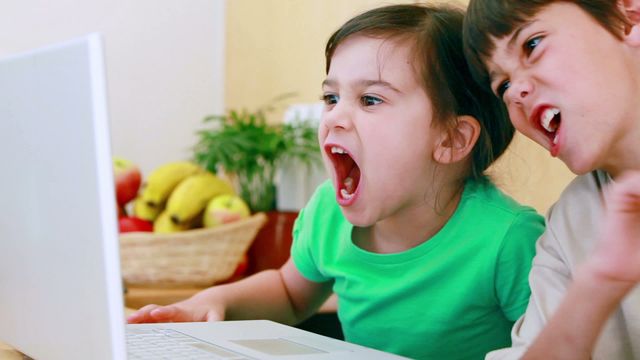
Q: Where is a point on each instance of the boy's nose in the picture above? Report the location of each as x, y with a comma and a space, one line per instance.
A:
520, 91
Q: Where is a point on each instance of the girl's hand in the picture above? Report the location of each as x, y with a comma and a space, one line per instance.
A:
184, 311
617, 256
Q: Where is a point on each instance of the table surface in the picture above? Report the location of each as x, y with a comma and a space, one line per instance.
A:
137, 297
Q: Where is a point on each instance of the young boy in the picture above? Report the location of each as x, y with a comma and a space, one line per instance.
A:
569, 75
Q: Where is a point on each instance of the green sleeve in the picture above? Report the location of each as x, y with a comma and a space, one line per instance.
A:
514, 263
302, 252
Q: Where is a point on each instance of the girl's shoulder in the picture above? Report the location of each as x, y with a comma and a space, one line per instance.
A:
486, 196
322, 207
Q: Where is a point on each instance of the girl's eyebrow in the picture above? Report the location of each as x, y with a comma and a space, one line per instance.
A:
364, 83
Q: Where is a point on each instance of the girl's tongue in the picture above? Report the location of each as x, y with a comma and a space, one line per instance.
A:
350, 183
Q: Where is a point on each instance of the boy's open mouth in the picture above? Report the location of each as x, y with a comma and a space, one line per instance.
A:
347, 171
549, 120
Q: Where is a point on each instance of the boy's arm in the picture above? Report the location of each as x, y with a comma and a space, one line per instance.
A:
573, 330
281, 295
601, 283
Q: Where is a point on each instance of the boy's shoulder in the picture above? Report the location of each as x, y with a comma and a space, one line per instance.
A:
586, 190
586, 186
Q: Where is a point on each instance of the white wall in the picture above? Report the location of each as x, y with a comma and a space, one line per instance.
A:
164, 63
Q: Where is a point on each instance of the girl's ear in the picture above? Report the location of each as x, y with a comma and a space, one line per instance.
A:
631, 8
455, 144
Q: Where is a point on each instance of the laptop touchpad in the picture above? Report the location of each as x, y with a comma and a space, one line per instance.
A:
277, 346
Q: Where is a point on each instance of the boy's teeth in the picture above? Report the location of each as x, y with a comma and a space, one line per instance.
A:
345, 194
547, 116
555, 140
337, 150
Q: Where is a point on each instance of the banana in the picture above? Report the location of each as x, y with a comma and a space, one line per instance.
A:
191, 196
143, 211
164, 225
163, 180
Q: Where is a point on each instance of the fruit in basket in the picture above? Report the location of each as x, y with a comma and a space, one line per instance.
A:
192, 195
242, 267
164, 179
132, 224
127, 180
164, 225
143, 211
224, 209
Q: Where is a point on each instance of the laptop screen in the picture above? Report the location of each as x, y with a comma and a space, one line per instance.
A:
60, 287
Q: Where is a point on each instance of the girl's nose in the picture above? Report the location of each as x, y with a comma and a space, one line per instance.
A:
338, 117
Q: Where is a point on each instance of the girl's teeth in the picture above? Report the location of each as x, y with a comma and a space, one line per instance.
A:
337, 150
345, 194
555, 140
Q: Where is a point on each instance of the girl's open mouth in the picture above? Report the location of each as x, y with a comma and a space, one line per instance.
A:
347, 173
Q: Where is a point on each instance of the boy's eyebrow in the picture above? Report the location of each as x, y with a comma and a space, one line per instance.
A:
517, 32
512, 41
364, 83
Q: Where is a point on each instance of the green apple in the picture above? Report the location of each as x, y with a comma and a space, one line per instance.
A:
224, 209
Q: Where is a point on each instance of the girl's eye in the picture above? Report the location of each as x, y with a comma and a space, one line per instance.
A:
531, 44
369, 100
330, 99
502, 88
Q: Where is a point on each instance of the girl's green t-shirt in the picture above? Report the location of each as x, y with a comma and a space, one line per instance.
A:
455, 296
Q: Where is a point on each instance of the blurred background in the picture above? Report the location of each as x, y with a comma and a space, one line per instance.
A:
170, 63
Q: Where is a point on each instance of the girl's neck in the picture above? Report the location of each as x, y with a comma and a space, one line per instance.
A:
413, 227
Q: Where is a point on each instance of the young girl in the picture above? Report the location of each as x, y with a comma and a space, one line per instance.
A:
569, 73
428, 259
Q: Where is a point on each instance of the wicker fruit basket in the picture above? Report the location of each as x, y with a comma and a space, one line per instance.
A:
198, 257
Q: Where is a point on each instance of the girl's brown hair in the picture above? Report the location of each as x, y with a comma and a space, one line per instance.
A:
435, 33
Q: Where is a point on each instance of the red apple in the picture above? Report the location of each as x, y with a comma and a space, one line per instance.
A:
132, 223
242, 266
127, 180
122, 212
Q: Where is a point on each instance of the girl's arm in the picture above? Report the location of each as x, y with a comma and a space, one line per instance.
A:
282, 295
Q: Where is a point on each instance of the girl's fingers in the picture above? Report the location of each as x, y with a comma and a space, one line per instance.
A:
142, 315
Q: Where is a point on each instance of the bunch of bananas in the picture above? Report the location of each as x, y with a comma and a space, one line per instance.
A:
176, 195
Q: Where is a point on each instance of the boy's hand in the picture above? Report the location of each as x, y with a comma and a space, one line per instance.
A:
178, 312
617, 256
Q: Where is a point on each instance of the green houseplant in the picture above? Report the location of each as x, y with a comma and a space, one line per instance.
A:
243, 144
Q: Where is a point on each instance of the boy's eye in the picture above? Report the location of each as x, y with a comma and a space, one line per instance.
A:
531, 44
330, 99
502, 88
369, 100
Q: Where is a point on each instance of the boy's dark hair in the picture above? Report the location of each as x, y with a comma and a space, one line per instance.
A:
487, 20
436, 35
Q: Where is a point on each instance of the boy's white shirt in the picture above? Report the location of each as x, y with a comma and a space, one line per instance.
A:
572, 226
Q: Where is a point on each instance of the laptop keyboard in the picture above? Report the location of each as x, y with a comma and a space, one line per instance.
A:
158, 343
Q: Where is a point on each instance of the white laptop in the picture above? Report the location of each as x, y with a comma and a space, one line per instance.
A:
60, 285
